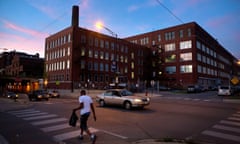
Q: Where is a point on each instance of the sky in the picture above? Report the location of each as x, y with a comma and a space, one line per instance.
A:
24, 24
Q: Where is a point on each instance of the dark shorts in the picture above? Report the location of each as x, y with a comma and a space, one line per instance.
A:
83, 121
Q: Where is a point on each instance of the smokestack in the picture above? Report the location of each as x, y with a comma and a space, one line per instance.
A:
75, 14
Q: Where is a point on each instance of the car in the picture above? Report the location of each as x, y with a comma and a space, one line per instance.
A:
224, 91
38, 95
54, 94
122, 97
12, 95
195, 89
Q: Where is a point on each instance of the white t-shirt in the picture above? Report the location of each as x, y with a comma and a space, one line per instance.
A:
86, 100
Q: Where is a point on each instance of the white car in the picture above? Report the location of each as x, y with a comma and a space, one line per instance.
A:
224, 91
122, 97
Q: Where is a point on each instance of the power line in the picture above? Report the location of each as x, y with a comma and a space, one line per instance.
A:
169, 11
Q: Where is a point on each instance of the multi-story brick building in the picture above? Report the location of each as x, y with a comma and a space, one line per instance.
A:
189, 55
20, 71
77, 57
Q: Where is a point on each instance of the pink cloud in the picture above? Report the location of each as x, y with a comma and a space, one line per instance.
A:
23, 30
18, 43
220, 21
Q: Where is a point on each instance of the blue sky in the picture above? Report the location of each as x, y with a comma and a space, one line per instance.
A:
24, 24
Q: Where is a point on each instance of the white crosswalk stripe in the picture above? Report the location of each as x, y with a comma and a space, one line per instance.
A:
53, 123
228, 129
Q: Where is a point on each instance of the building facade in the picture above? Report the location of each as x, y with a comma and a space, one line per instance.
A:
189, 56
20, 72
77, 57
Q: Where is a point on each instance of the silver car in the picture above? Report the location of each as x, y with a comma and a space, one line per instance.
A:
122, 97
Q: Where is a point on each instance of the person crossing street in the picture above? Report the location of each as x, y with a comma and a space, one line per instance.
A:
85, 107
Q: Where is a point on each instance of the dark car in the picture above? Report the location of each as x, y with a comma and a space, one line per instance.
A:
122, 97
12, 95
195, 89
38, 95
54, 94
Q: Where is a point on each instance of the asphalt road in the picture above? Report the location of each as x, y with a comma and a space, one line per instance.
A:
201, 118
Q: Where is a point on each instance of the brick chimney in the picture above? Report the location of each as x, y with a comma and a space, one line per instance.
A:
75, 15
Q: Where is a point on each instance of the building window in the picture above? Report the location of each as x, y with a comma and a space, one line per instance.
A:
96, 42
101, 67
199, 69
96, 54
159, 37
106, 56
198, 45
90, 53
181, 33
95, 66
106, 67
82, 64
69, 37
186, 68
189, 32
186, 56
186, 44
170, 58
68, 51
132, 55
132, 65
170, 69
83, 52
132, 75
101, 43
170, 47
101, 55
68, 64
169, 36
199, 57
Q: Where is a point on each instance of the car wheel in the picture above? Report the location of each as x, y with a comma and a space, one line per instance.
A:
101, 103
127, 105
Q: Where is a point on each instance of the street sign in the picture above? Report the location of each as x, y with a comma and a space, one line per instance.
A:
235, 80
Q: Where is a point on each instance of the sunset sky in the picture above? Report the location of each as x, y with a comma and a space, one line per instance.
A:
24, 24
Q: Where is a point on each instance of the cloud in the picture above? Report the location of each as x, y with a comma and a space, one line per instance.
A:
22, 39
14, 27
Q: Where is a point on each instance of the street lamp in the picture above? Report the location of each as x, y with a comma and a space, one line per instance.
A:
100, 25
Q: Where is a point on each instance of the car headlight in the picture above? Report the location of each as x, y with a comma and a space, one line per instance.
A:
137, 100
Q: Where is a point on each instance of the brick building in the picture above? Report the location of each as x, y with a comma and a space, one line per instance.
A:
20, 71
189, 55
77, 57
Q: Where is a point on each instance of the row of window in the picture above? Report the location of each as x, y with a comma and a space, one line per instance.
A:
205, 49
183, 57
59, 42
183, 69
182, 45
168, 36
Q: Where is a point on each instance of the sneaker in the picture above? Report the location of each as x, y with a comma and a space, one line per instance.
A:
81, 137
93, 138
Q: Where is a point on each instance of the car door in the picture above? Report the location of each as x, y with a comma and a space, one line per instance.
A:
108, 97
117, 98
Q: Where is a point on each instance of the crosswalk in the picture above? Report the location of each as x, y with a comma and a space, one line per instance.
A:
49, 123
227, 129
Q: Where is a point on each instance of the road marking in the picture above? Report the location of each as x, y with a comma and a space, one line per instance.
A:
49, 121
236, 115
196, 99
23, 112
40, 117
17, 111
113, 134
230, 123
3, 140
34, 114
71, 134
221, 135
56, 127
234, 118
222, 127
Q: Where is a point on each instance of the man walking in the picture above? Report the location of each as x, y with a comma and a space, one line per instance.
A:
85, 107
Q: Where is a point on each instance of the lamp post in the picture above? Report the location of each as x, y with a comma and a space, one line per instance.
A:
99, 25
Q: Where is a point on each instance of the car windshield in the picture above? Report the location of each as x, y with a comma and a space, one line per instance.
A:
126, 93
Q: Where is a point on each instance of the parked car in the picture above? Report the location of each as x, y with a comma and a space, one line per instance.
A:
12, 95
54, 94
122, 97
225, 91
195, 89
38, 95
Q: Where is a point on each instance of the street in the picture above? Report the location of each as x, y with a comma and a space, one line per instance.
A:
200, 118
